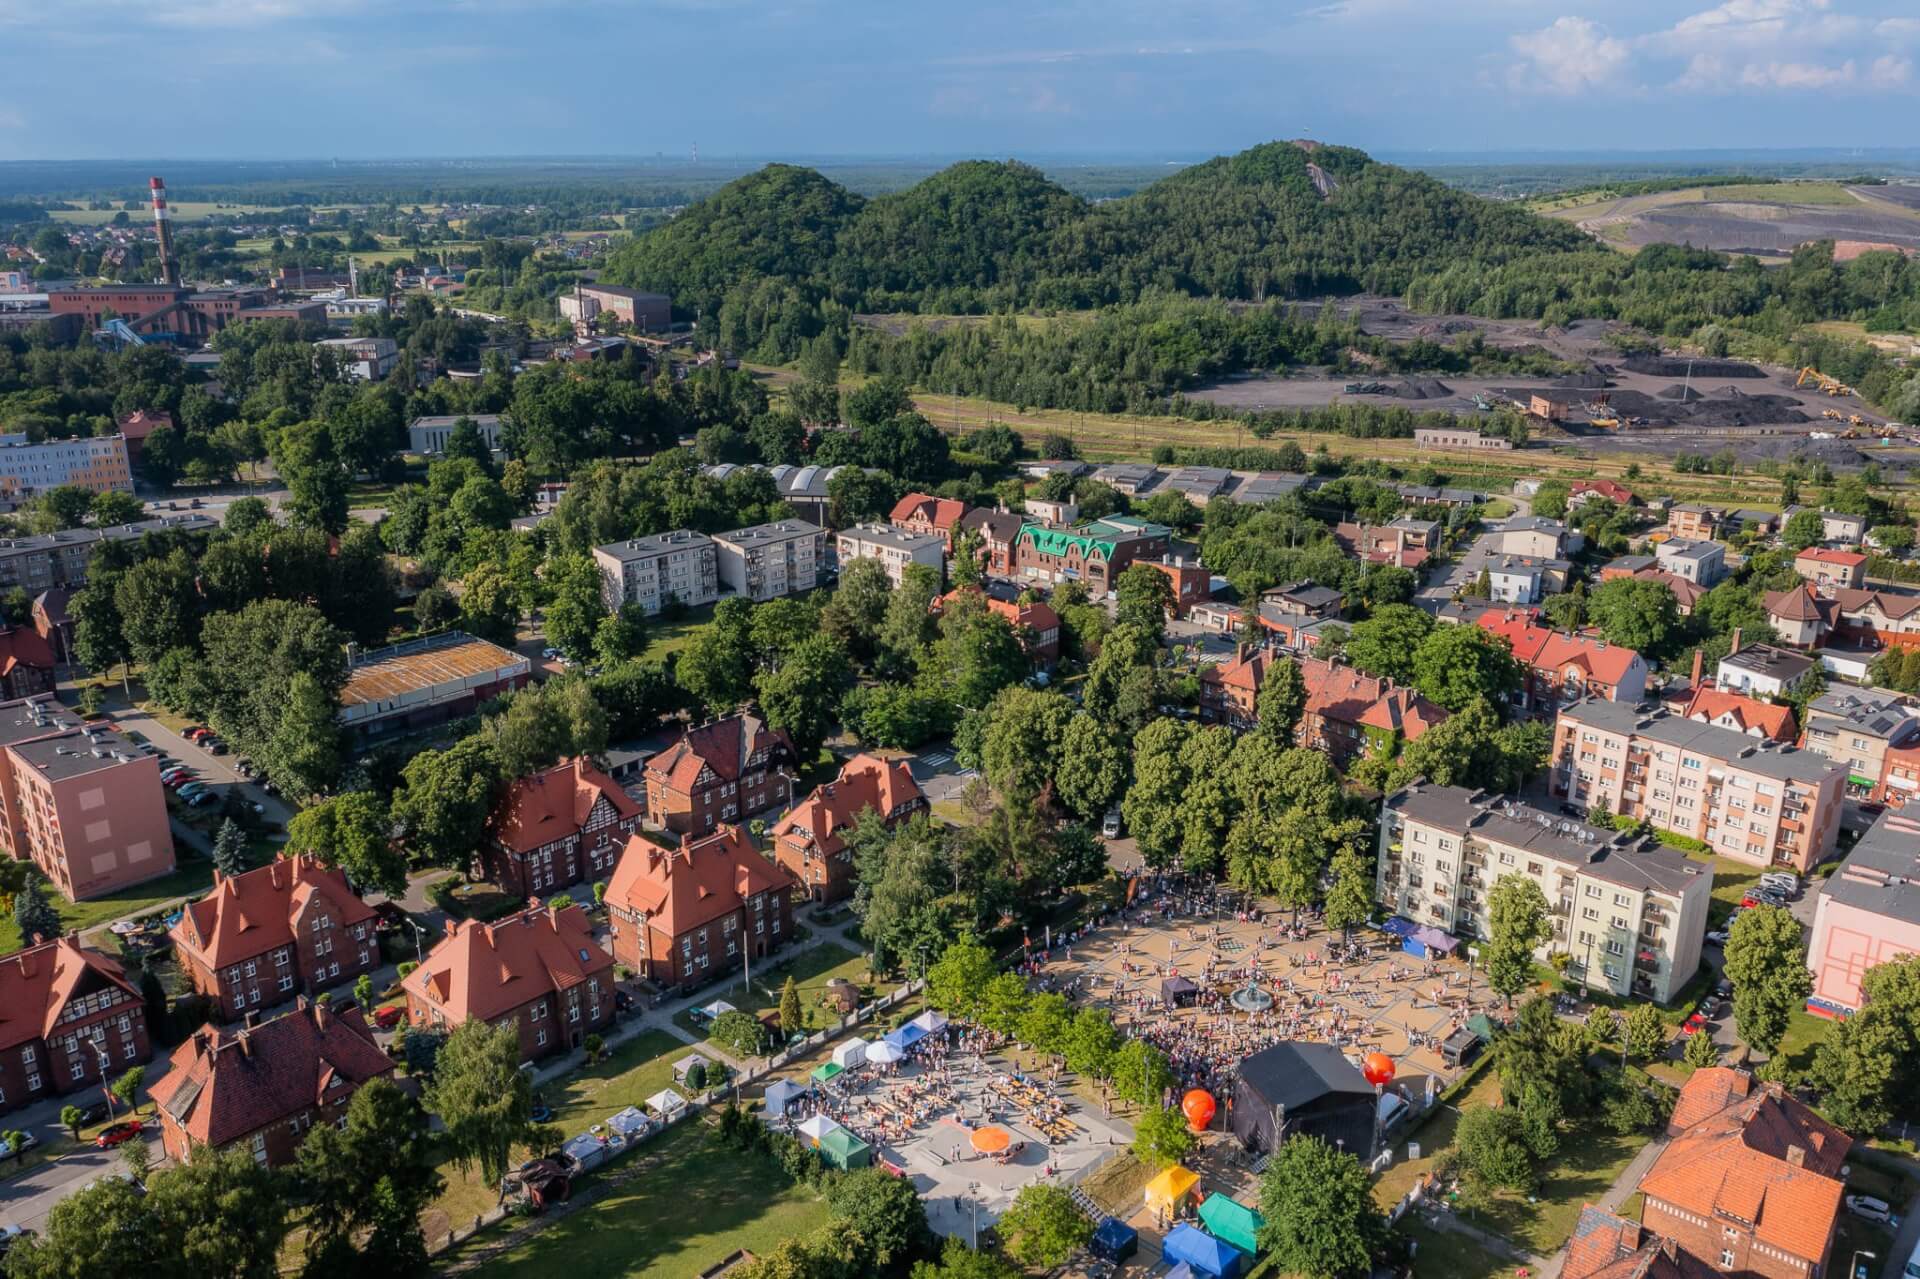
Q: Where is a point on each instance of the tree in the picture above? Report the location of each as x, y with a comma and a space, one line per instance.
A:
126, 1089
1153, 803
1645, 1035
482, 1097
958, 979
792, 1018
1319, 1214
1765, 961
1282, 700
716, 666
1145, 596
578, 606
36, 919
1025, 733
220, 1214
1635, 613
803, 694
1350, 897
1140, 1073
1458, 665
1385, 644
1803, 529
355, 833
957, 1261
1043, 1227
440, 810
976, 655
104, 1231
1493, 1149
737, 1032
72, 1118
1090, 774
1092, 1043
1701, 1052
435, 609
304, 751
1517, 925
1161, 1137
230, 848
1873, 1057
886, 1214
1897, 538
621, 636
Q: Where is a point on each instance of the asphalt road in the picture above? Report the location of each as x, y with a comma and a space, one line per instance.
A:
217, 771
26, 1200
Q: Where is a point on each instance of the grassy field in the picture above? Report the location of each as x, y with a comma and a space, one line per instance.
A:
697, 1203
665, 636
191, 878
1731, 881
1442, 1254
1805, 1033
182, 210
811, 971
627, 1076
1587, 204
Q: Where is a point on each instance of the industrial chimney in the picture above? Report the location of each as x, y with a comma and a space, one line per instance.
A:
163, 230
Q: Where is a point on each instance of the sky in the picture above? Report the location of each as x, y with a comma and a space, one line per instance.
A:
245, 79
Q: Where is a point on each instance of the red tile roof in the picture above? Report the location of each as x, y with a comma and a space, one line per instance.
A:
1761, 1157
724, 746
1894, 604
1748, 713
940, 512
223, 1085
1797, 605
36, 983
1608, 1247
1821, 555
865, 781
1546, 649
704, 879
555, 805
1246, 671
141, 423
1340, 693
1605, 488
484, 970
254, 912
1039, 615
1685, 594
23, 646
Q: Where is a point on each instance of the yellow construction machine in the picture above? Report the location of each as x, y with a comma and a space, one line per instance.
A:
1828, 385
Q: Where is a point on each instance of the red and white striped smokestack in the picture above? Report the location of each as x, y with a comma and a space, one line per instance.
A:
163, 231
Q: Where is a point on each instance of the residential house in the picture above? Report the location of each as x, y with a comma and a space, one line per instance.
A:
88, 808
651, 572
1629, 913
1286, 610
923, 515
1380, 544
892, 548
1563, 668
767, 561
1095, 553
292, 927
1799, 616
1036, 624
1878, 617
1428, 495
1580, 492
539, 971
264, 1087
998, 530
1349, 713
1751, 801
70, 1018
726, 770
1230, 691
1060, 514
1686, 594
683, 916
1694, 520
1192, 584
1768, 720
53, 623
1750, 1180
26, 662
1830, 571
810, 840
555, 828
1856, 728
1525, 579
1604, 1246
1868, 910
1701, 562
1539, 537
1842, 529
1762, 670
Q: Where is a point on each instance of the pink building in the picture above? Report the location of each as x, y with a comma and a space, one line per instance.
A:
89, 809
1869, 909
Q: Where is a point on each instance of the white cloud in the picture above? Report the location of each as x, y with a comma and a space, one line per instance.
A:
1568, 57
1890, 72
1796, 75
1898, 31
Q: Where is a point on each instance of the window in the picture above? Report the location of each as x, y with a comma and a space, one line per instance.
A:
260, 1149
540, 1039
78, 1067
33, 1083
286, 981
1726, 1258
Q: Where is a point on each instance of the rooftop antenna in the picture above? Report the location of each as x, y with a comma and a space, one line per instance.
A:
163, 231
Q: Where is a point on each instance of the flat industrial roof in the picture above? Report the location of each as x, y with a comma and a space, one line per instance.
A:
76, 754
395, 672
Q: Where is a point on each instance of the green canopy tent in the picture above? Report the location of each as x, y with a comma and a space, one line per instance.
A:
826, 1070
1232, 1222
844, 1150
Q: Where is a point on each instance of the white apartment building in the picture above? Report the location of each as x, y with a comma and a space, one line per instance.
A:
1766, 805
655, 571
1629, 913
1699, 561
362, 359
891, 547
770, 560
97, 463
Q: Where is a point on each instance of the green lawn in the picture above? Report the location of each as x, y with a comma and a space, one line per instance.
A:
666, 635
811, 971
627, 1076
1805, 1032
192, 877
1442, 1254
698, 1203
1731, 881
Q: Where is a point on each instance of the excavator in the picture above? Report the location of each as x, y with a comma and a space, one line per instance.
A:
1600, 415
1828, 385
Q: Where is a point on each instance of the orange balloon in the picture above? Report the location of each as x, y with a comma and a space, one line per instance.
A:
1378, 1068
1199, 1108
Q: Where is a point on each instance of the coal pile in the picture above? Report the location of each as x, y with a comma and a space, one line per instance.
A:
1592, 380
1729, 408
1423, 388
1671, 366
1680, 391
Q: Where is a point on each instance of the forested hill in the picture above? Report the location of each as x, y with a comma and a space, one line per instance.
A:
770, 257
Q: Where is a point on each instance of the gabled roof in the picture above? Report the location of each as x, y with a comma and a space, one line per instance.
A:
1799, 604
484, 970
1842, 559
555, 805
1761, 1158
1039, 615
36, 983
1894, 605
1545, 649
865, 781
23, 646
1608, 1247
940, 512
725, 746
254, 912
1340, 693
995, 526
223, 1085
680, 889
1744, 714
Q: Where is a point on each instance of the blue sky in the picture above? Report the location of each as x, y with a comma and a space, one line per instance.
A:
366, 78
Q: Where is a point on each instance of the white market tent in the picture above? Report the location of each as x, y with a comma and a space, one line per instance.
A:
630, 1123
717, 1007
782, 1093
666, 1103
883, 1053
851, 1053
814, 1127
687, 1063
931, 1021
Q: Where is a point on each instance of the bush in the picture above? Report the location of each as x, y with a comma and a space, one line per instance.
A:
697, 1077
1629, 1110
594, 1046
737, 1032
406, 968
1685, 843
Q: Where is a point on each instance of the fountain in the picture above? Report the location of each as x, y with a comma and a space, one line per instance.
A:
1251, 999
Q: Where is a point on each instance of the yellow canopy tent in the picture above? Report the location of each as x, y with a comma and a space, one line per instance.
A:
1166, 1191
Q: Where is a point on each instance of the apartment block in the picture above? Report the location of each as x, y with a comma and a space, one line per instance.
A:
48, 560
810, 840
1765, 805
683, 916
89, 809
1629, 913
97, 463
652, 572
1857, 728
892, 548
1868, 912
1699, 561
1095, 553
767, 561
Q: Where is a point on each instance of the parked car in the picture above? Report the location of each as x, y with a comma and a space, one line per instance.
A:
11, 1235
388, 1018
1782, 882
177, 781
1723, 988
1694, 1025
216, 746
550, 653
187, 790
622, 1001
1718, 936
1868, 1208
1110, 828
197, 732
202, 799
28, 1142
93, 1112
244, 767
119, 1134
176, 772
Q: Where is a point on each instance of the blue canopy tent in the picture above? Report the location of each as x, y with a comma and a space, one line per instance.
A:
1407, 931
1115, 1240
1181, 1271
1200, 1250
906, 1037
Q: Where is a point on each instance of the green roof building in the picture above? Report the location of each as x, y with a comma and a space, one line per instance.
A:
1095, 553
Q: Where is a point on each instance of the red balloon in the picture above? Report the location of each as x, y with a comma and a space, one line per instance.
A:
1198, 1107
1378, 1068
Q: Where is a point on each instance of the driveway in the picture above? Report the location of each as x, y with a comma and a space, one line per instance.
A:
26, 1200
217, 771
1462, 571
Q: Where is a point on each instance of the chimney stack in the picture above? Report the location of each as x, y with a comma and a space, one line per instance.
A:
1698, 659
1736, 642
245, 1039
322, 1013
163, 232
1797, 1156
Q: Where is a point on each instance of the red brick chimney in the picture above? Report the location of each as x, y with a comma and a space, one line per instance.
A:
1698, 659
1736, 642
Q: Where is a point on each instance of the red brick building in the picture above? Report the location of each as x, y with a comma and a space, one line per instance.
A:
293, 927
1191, 583
63, 1007
1036, 624
927, 516
809, 841
539, 970
557, 828
685, 916
26, 662
264, 1087
1608, 1247
1751, 1180
998, 531
1346, 714
725, 771
1562, 668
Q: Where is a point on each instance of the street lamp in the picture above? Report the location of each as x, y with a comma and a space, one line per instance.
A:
414, 924
973, 1202
1854, 1268
106, 1064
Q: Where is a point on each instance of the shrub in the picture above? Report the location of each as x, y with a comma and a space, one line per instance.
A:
406, 968
594, 1046
697, 1077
